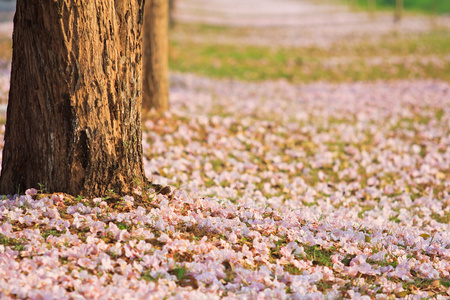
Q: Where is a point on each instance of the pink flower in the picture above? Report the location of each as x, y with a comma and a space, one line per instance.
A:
86, 263
357, 296
123, 235
164, 238
105, 262
31, 192
335, 258
427, 270
338, 267
58, 200
285, 251
232, 238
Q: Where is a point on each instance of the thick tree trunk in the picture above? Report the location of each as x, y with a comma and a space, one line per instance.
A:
74, 112
155, 47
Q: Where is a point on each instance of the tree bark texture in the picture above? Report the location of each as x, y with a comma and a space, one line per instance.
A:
74, 111
155, 48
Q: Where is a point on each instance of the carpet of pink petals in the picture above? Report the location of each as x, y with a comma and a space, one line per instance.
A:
278, 191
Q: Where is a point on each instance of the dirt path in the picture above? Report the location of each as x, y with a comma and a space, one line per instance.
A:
296, 22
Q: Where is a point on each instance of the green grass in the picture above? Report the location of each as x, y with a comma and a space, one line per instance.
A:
14, 244
424, 6
342, 62
147, 277
445, 219
319, 256
123, 225
179, 272
46, 233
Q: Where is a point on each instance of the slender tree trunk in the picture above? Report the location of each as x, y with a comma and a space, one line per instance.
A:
398, 10
74, 112
434, 12
156, 67
371, 6
172, 5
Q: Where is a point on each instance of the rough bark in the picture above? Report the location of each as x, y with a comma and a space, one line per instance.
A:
74, 112
155, 48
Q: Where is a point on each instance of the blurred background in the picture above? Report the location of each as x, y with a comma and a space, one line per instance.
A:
304, 41
299, 41
7, 9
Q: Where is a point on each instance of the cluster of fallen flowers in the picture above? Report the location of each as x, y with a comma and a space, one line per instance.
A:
277, 191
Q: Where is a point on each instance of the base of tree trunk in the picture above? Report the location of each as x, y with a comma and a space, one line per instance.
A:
74, 112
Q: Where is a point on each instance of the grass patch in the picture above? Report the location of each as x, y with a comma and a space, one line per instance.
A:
291, 269
341, 63
123, 225
389, 261
147, 277
347, 259
423, 6
319, 256
324, 285
14, 244
53, 232
179, 272
444, 219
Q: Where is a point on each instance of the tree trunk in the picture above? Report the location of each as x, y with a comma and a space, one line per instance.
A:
172, 7
371, 6
434, 13
156, 66
74, 112
398, 10
435, 7
352, 4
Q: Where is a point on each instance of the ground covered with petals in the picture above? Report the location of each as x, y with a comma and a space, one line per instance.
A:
267, 191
